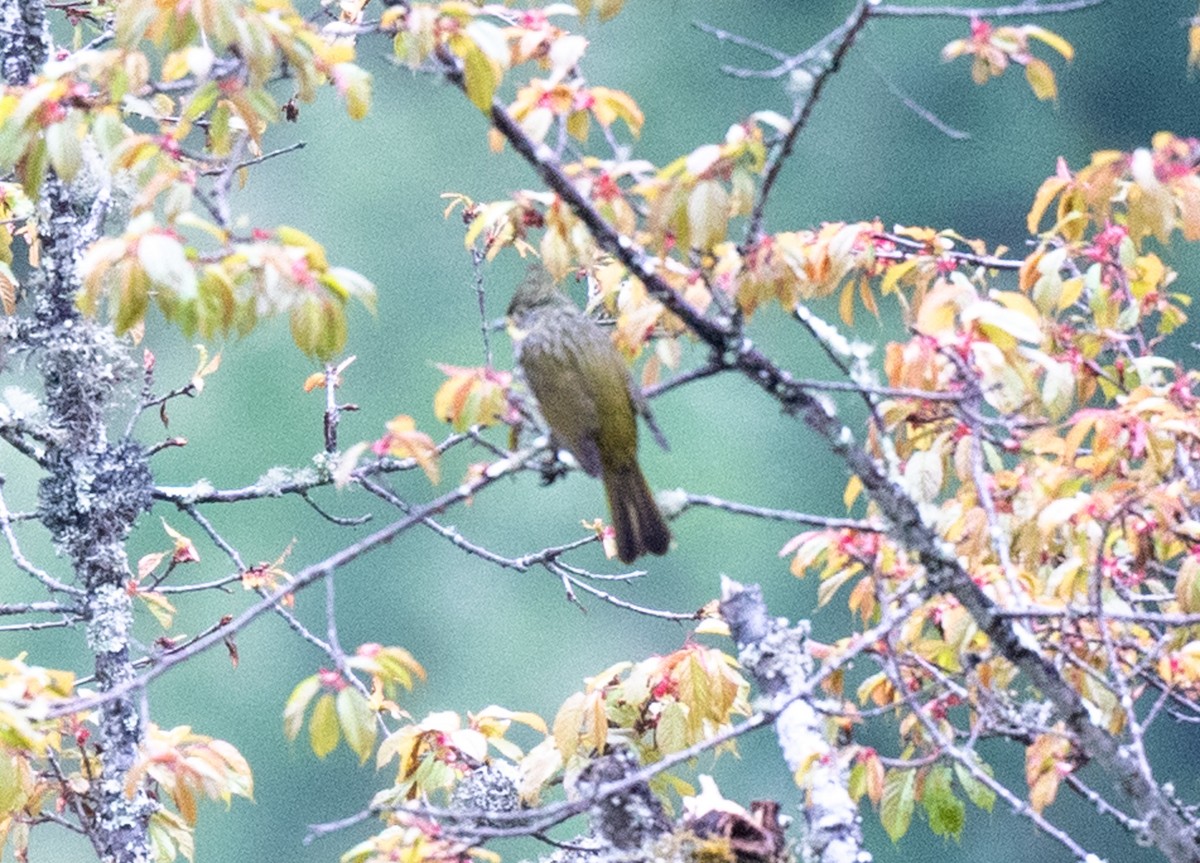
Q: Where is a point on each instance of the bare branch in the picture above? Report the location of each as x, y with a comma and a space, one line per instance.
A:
20, 560
1019, 10
842, 39
735, 39
707, 500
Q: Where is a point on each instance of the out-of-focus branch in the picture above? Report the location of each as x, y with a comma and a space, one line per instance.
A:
298, 482
1018, 10
777, 657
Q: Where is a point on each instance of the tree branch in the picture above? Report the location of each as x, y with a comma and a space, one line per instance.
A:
1165, 826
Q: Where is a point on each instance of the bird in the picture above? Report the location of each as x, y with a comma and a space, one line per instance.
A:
588, 398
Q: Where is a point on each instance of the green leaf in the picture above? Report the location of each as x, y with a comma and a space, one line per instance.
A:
671, 732
64, 147
479, 78
357, 721
133, 296
11, 792
34, 168
170, 836
202, 99
976, 791
323, 726
306, 320
297, 703
896, 809
489, 38
332, 331
1058, 388
947, 813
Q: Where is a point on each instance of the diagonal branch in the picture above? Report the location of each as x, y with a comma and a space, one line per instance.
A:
1164, 824
802, 110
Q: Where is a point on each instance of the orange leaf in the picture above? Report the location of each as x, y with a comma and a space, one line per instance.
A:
404, 441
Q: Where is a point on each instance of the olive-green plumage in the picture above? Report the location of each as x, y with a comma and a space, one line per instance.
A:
585, 392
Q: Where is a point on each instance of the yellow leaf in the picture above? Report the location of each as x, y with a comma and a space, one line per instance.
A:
611, 105
1041, 79
354, 84
323, 731
567, 724
708, 214
159, 606
609, 8
314, 252
854, 487
1058, 43
846, 304
8, 287
896, 272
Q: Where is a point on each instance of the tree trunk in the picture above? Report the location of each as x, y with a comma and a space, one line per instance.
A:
93, 489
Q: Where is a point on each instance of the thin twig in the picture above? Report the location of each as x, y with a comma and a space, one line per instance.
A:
257, 160
1019, 10
800, 115
21, 561
788, 515
736, 39
917, 108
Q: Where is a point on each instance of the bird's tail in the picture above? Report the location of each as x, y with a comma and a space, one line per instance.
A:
638, 524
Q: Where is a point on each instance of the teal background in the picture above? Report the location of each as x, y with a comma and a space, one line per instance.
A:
370, 192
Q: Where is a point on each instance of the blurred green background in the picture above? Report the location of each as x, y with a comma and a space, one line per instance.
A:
370, 192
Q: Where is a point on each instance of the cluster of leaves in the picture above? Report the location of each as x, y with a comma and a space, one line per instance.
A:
157, 122
343, 711
1052, 406
185, 766
434, 754
687, 205
42, 762
47, 765
488, 40
994, 48
280, 272
658, 706
1051, 421
413, 840
1048, 406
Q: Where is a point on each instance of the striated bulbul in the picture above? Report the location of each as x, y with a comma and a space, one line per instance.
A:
588, 398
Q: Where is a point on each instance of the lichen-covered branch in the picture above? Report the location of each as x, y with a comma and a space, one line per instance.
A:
93, 489
777, 658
